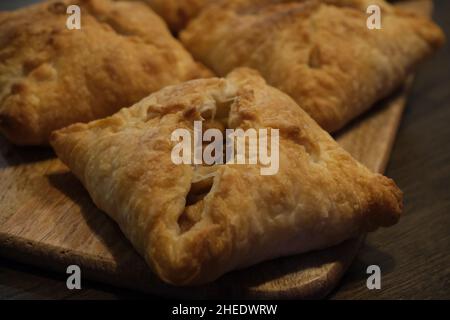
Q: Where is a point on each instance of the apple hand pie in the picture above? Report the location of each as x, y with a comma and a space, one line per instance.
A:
321, 53
51, 76
193, 223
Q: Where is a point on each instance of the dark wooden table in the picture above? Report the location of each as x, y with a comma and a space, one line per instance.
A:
414, 256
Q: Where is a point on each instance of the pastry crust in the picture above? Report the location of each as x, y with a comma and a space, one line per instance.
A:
177, 13
321, 53
51, 77
194, 223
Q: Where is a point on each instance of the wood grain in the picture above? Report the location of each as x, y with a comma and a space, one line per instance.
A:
47, 219
414, 256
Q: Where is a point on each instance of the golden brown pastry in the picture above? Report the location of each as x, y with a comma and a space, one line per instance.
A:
194, 223
177, 13
51, 76
321, 53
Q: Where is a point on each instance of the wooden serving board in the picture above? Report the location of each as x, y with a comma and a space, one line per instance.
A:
47, 219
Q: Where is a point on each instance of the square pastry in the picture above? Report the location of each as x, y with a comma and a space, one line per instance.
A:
321, 53
52, 76
194, 222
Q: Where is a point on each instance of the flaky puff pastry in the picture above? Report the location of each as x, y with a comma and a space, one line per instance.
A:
177, 13
51, 76
321, 53
194, 223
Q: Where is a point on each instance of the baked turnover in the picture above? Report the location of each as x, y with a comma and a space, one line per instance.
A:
193, 223
51, 76
321, 53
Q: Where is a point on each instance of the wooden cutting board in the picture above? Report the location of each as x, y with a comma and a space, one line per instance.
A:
47, 219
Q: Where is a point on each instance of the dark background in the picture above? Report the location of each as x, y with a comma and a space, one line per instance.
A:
414, 256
